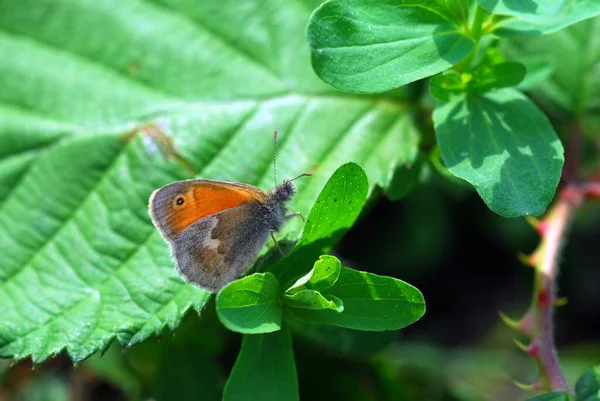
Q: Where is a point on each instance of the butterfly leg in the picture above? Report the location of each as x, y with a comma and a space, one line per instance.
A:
276, 244
289, 216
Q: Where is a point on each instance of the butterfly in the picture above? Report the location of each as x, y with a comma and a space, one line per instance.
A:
215, 229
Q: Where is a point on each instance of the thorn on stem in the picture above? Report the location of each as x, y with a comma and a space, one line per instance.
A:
521, 346
533, 349
561, 301
527, 260
533, 222
539, 225
513, 324
535, 386
522, 326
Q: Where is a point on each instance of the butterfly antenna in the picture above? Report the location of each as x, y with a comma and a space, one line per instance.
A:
301, 175
275, 157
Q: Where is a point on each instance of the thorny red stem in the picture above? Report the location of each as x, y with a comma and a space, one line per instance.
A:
546, 265
538, 322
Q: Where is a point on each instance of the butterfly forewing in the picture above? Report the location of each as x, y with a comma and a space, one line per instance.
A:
176, 206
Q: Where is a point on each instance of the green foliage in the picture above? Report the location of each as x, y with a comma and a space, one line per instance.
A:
103, 102
484, 79
513, 157
373, 46
497, 76
328, 294
251, 305
335, 210
539, 17
588, 385
264, 369
513, 162
325, 273
313, 300
86, 132
571, 87
368, 301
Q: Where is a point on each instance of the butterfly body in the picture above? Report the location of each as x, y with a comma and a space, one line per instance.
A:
215, 229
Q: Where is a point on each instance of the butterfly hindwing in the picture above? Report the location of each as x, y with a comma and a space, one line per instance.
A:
215, 250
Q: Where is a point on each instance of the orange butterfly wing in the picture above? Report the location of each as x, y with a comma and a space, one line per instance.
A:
175, 206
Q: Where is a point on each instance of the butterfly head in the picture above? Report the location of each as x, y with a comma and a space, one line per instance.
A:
284, 191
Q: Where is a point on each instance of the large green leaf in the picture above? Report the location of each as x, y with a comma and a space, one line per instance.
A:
375, 46
371, 303
264, 370
81, 263
573, 55
505, 146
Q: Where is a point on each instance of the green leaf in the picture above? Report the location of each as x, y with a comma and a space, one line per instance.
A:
251, 305
371, 302
497, 76
573, 80
313, 300
532, 10
264, 370
322, 276
537, 17
84, 122
587, 387
375, 46
484, 79
444, 85
554, 396
505, 147
333, 213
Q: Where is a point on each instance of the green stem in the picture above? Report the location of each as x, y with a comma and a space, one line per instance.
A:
476, 32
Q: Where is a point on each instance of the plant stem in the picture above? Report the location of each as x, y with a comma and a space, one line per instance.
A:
475, 32
545, 260
538, 322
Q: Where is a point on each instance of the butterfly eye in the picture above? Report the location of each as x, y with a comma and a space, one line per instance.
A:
180, 201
